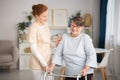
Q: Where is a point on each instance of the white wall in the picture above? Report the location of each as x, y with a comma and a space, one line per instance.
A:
12, 12
95, 8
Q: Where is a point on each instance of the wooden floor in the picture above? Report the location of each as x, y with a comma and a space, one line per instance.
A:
27, 75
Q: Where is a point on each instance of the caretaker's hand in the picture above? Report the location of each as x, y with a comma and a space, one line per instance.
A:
46, 68
51, 67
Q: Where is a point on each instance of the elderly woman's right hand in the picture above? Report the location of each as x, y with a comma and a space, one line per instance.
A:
85, 70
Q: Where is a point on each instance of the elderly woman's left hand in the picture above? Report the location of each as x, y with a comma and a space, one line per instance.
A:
85, 70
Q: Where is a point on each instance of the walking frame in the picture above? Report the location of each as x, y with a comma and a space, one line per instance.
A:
58, 75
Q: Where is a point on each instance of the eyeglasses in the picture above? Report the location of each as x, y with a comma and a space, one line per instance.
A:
75, 26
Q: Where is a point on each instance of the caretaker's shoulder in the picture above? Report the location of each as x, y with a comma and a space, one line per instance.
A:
33, 26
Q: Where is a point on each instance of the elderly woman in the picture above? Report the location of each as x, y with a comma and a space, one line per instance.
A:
77, 50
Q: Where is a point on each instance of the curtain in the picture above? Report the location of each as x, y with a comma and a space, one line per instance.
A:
103, 11
112, 40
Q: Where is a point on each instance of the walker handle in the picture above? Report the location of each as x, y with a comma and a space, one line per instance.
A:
56, 75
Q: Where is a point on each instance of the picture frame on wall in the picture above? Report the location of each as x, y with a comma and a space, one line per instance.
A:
60, 18
50, 20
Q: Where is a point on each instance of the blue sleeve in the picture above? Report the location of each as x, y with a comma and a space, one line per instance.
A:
90, 52
58, 54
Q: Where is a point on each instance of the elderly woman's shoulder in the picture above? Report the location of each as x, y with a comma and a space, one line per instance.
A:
86, 36
66, 34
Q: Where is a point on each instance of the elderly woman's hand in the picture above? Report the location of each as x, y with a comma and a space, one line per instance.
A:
85, 70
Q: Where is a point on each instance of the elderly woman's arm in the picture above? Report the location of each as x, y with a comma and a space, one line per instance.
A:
58, 54
90, 52
91, 61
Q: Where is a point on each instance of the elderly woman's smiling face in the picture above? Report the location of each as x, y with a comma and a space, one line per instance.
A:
75, 30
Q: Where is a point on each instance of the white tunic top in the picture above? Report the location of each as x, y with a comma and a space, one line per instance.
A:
40, 35
76, 52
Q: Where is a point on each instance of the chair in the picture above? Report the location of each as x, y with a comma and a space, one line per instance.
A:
103, 64
62, 73
8, 54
